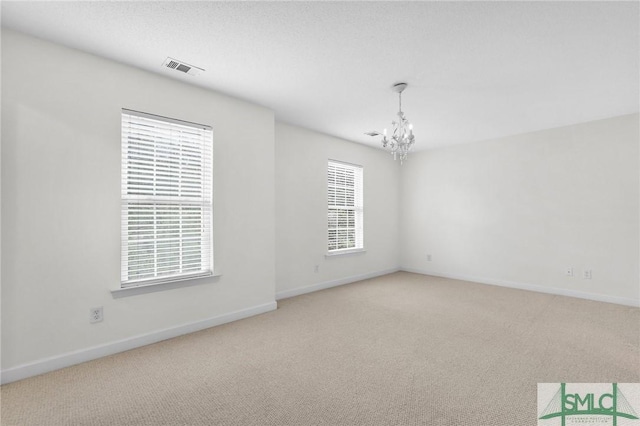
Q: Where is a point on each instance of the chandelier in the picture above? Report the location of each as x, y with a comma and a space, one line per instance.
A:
402, 138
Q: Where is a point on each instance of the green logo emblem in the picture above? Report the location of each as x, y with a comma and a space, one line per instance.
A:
588, 401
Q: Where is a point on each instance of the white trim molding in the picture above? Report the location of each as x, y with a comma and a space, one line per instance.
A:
166, 285
530, 287
83, 355
285, 294
344, 252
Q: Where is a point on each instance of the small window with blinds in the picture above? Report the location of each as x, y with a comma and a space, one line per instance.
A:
345, 207
167, 168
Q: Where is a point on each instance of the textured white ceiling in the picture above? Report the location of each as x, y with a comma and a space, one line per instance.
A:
476, 70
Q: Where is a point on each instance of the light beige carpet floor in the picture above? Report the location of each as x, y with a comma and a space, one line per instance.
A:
403, 349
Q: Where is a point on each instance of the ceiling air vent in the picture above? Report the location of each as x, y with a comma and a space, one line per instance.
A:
177, 65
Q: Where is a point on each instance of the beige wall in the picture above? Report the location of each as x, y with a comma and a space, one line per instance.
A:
301, 211
61, 201
519, 210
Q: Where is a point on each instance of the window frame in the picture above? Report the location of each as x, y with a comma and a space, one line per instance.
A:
357, 207
202, 204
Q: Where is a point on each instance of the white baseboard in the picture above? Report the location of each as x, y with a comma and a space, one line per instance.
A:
83, 355
531, 287
333, 283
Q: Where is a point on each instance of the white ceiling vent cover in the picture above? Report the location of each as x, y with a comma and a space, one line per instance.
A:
180, 66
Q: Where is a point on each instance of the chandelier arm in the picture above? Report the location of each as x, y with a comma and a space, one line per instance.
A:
402, 139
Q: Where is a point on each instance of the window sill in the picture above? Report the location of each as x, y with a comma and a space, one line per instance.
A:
152, 287
345, 252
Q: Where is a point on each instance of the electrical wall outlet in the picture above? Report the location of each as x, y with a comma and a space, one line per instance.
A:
316, 269
95, 314
428, 258
587, 274
569, 271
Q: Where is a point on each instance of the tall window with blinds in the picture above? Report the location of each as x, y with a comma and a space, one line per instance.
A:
167, 202
345, 207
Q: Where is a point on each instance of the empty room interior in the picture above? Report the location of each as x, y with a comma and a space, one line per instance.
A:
320, 213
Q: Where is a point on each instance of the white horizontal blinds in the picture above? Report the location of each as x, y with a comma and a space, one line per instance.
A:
345, 206
167, 170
